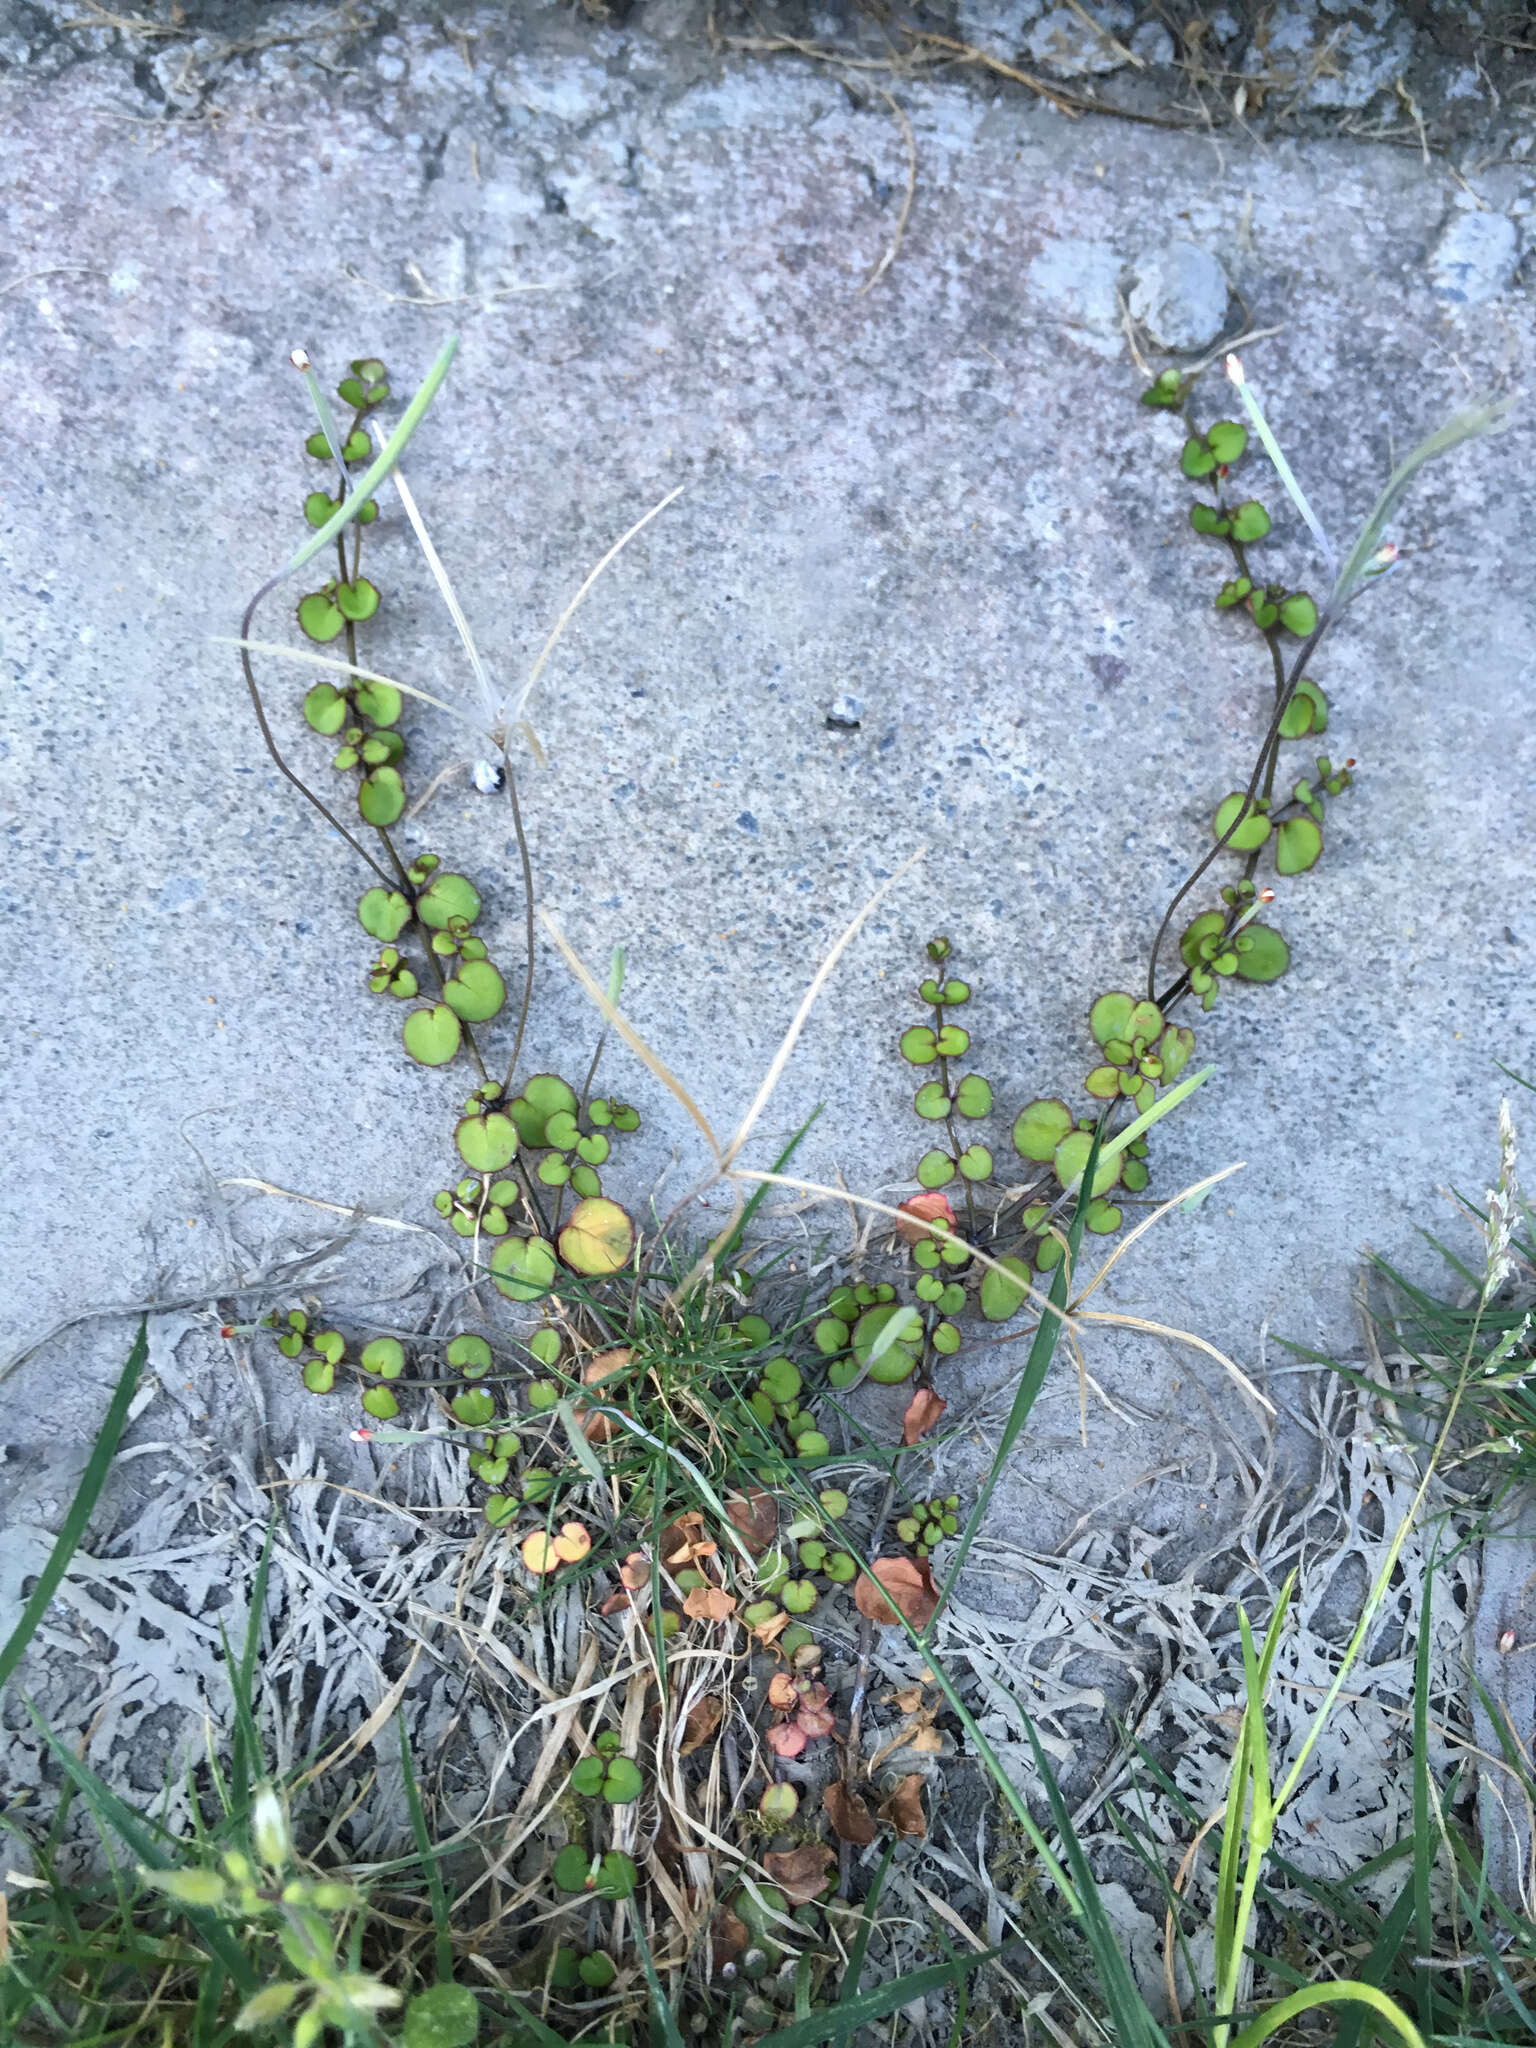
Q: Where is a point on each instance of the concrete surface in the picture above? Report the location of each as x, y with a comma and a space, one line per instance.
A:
938, 496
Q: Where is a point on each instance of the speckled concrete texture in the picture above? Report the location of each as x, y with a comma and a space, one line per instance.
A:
937, 496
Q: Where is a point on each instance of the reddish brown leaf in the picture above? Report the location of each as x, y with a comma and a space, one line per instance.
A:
703, 1719
800, 1874
598, 1429
785, 1738
849, 1816
635, 1571
909, 1585
904, 1808
815, 1721
709, 1603
914, 1217
728, 1937
756, 1516
923, 1412
783, 1693
812, 1694
615, 1603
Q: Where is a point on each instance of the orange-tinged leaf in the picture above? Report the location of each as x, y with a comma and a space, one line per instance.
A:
908, 1586
756, 1516
539, 1553
573, 1542
709, 1603
600, 1429
704, 1717
923, 1412
635, 1571
850, 1817
768, 1632
914, 1217
800, 1874
783, 1693
599, 1237
904, 1808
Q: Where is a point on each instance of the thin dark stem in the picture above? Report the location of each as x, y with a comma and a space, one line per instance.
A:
523, 855
271, 744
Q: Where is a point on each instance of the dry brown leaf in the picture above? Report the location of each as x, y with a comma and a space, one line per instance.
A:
904, 1808
704, 1718
756, 1516
908, 1701
768, 1632
800, 1874
728, 1937
913, 1218
783, 1693
599, 1429
849, 1816
709, 1603
909, 1585
923, 1413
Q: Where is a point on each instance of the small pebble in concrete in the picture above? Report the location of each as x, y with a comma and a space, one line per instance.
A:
846, 713
1179, 294
1475, 257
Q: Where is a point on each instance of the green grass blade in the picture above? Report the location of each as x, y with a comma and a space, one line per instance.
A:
245, 1745
1330, 1994
1423, 1836
661, 2010
114, 1818
81, 1508
732, 1244
381, 465
874, 2005
849, 1988
1381, 1963
1133, 2023
1041, 1351
436, 1890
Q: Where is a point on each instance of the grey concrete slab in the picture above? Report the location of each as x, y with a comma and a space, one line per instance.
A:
938, 496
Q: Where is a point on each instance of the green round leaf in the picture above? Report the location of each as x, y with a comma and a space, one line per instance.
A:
545, 1346
798, 1596
919, 1046
810, 1443
1174, 1049
319, 506
598, 1239
571, 1867
931, 1102
379, 702
1205, 927
953, 1043
975, 1162
1111, 1016
385, 1356
560, 1130
444, 2016
432, 1036
946, 1339
1226, 440
1133, 1176
829, 1336
1251, 833
381, 796
319, 1375
470, 1355
1232, 592
319, 618
593, 1148
475, 993
1267, 958
544, 1096
597, 1971
1298, 614
1040, 1128
617, 1876
1207, 519
1072, 1158
1103, 1082
1102, 1218
487, 1142
1197, 459
781, 1380
935, 1170
325, 709
585, 1183
622, 1783
381, 1404
474, 1407
356, 601
973, 1097
383, 913
1250, 521
446, 896
523, 1268
1298, 843
888, 1341
1003, 1292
